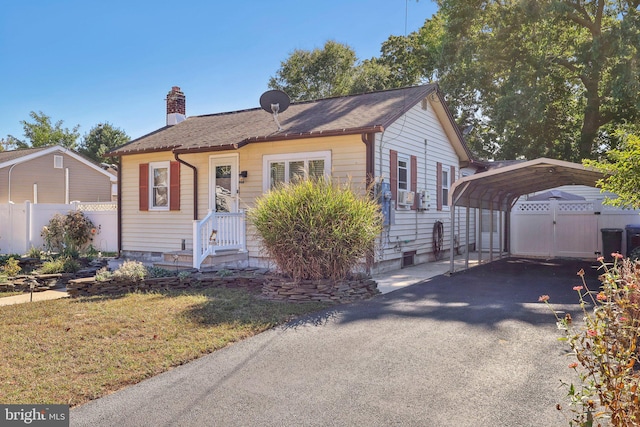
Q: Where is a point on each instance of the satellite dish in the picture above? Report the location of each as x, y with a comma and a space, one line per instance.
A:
274, 102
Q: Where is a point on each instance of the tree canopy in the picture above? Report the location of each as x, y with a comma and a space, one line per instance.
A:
532, 78
100, 139
542, 77
622, 172
41, 133
333, 70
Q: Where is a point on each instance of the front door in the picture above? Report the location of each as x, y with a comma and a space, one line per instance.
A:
223, 183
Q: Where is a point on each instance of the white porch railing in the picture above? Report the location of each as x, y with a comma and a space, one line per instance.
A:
216, 232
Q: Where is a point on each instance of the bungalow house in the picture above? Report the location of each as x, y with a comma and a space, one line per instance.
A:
184, 188
53, 174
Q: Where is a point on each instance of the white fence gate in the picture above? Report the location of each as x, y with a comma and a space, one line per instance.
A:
569, 229
21, 224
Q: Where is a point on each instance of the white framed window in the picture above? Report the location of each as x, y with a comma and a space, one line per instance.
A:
404, 172
445, 187
159, 185
285, 168
57, 162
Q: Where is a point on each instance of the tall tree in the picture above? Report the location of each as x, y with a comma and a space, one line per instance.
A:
542, 77
335, 70
41, 133
100, 139
315, 74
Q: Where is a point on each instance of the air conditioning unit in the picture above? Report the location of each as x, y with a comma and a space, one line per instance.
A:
405, 198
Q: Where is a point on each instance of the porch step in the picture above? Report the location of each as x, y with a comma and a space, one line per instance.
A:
183, 260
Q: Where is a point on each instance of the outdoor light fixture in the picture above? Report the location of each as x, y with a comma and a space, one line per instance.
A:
243, 175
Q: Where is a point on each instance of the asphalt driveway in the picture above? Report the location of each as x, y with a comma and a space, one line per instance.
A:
473, 349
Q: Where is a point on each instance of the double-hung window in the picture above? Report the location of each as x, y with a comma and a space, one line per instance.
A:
445, 187
159, 185
284, 168
403, 173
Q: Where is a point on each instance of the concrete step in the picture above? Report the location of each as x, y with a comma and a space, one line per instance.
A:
183, 260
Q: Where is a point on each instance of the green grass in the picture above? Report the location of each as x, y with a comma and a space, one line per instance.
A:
71, 351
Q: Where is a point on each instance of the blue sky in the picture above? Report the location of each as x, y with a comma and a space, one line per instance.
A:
87, 62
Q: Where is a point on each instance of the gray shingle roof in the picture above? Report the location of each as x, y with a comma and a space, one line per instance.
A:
7, 156
340, 115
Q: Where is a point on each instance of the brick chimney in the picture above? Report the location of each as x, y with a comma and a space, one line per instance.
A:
176, 106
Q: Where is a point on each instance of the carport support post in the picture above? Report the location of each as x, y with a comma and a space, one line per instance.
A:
480, 234
466, 252
491, 230
451, 240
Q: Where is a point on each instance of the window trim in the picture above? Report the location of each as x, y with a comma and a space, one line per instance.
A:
445, 184
159, 165
306, 156
407, 160
411, 167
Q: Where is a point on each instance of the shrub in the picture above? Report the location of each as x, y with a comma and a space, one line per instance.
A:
11, 267
133, 271
605, 346
103, 275
154, 271
63, 264
34, 253
316, 229
68, 233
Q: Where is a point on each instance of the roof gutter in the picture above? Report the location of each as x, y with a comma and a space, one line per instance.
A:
195, 184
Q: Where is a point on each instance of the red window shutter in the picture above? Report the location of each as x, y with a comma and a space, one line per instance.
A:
439, 185
393, 175
174, 186
414, 181
144, 186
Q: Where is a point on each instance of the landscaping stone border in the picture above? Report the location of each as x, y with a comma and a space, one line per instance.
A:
270, 287
320, 290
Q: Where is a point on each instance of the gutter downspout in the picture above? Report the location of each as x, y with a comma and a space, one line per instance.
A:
119, 207
195, 184
369, 141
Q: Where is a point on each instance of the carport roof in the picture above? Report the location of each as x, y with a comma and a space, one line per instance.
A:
498, 188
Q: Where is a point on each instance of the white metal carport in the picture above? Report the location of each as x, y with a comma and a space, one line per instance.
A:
499, 189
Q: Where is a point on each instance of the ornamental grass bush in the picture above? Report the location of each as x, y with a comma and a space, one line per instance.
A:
316, 229
605, 346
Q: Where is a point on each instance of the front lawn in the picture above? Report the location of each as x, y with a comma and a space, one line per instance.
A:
70, 351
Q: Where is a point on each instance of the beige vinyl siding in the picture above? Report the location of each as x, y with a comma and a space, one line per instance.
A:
85, 183
348, 162
413, 230
163, 231
154, 231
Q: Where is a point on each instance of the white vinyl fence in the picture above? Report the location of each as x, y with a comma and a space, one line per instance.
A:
571, 229
21, 224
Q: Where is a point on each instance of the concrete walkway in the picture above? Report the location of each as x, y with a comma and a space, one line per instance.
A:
398, 279
37, 296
